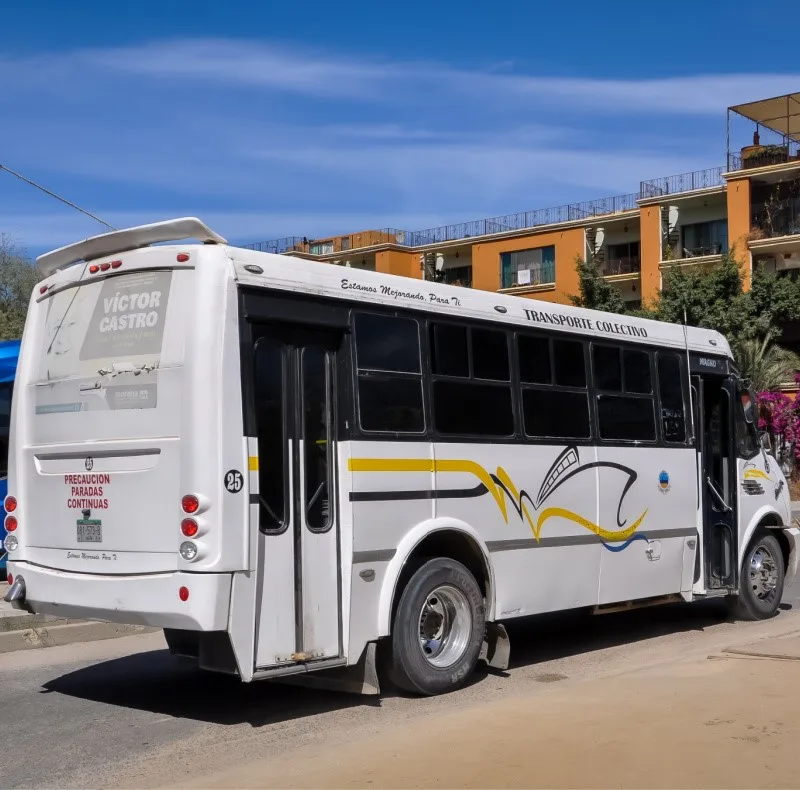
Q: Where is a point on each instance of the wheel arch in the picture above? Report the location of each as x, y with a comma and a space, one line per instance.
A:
768, 518
436, 538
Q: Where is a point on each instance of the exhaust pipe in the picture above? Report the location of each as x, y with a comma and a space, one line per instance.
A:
16, 593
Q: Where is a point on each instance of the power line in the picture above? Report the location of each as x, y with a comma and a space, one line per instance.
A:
57, 197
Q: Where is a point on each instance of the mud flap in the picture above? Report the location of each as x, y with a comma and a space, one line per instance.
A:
361, 678
496, 648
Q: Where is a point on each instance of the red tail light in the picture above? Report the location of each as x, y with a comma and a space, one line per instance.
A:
190, 503
183, 593
11, 523
189, 527
10, 579
10, 504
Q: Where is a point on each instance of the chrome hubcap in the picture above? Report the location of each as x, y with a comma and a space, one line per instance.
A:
445, 624
763, 573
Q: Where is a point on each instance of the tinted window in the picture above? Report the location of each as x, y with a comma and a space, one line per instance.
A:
607, 369
636, 365
556, 413
472, 409
316, 437
387, 343
569, 363
670, 387
490, 355
389, 403
746, 433
450, 351
5, 421
269, 382
389, 374
534, 359
626, 418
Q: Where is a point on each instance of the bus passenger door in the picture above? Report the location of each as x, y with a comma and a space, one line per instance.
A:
717, 447
298, 599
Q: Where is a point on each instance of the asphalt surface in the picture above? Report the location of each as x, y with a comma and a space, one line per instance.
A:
126, 713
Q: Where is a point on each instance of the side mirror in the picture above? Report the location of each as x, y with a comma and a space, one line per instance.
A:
766, 442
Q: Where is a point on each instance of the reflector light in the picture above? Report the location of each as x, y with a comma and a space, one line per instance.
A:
104, 267
94, 268
42, 289
10, 504
116, 264
183, 593
182, 257
10, 579
189, 527
190, 503
11, 523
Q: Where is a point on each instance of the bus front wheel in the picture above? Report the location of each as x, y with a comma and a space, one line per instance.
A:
762, 577
438, 629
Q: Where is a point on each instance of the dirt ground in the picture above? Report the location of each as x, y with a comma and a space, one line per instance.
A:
723, 721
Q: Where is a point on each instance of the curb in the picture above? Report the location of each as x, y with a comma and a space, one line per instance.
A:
65, 633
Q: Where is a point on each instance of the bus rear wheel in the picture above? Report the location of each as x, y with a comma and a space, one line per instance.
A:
762, 577
438, 629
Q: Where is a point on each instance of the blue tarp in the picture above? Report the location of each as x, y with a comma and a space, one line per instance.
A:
9, 353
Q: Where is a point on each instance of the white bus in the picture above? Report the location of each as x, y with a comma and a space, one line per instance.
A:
293, 467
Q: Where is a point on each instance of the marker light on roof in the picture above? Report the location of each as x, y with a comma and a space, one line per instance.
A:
116, 264
94, 268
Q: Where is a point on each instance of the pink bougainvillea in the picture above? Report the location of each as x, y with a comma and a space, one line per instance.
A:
779, 415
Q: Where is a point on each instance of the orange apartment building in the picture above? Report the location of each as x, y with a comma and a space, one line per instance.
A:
752, 204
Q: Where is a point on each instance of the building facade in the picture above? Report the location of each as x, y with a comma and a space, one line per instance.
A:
751, 205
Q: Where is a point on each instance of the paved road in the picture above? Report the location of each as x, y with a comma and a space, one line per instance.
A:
125, 713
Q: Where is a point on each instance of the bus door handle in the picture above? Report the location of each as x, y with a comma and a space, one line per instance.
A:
725, 507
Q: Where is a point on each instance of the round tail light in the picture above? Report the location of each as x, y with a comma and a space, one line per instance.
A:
10, 504
11, 523
189, 527
190, 503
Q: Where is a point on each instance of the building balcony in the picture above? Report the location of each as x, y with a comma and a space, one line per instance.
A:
528, 277
615, 267
775, 220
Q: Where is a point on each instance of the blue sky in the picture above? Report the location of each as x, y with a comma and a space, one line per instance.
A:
275, 119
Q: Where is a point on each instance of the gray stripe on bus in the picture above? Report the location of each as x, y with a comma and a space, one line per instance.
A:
578, 540
381, 555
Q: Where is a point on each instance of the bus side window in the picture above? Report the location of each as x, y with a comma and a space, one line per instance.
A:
670, 388
471, 381
555, 401
625, 407
747, 444
389, 374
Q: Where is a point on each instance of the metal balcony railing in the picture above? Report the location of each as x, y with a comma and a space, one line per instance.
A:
631, 265
684, 182
278, 246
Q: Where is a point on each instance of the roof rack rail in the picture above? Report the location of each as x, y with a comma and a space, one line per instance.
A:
127, 239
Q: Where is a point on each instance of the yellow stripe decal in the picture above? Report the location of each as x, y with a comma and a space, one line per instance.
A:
751, 474
470, 467
253, 463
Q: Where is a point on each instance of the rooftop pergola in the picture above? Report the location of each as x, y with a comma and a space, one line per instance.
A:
780, 115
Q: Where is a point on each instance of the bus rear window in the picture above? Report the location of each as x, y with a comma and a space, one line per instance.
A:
107, 325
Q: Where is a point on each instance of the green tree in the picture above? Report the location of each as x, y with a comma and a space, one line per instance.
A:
596, 292
18, 278
766, 365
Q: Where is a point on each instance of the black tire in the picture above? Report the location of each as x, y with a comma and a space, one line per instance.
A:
753, 603
412, 666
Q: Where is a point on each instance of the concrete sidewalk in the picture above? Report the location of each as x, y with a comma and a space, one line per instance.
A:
24, 631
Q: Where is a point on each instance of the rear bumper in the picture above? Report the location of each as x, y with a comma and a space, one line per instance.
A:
139, 600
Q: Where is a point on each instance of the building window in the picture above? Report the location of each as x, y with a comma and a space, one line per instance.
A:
528, 267
471, 381
321, 248
705, 238
389, 374
622, 258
